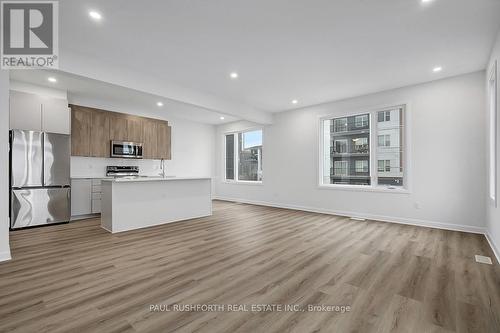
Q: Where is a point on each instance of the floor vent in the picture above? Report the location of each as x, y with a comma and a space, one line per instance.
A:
357, 218
483, 259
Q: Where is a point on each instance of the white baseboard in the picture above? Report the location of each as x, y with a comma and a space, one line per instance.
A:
4, 256
494, 247
390, 219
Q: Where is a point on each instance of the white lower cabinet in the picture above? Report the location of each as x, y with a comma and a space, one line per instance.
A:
96, 206
96, 196
81, 197
85, 197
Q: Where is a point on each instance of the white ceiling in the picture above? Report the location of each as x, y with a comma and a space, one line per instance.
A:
311, 50
98, 94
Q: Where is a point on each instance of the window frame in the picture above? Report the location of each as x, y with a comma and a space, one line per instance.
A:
346, 125
385, 164
372, 120
236, 157
386, 140
493, 136
342, 168
363, 167
379, 169
386, 114
362, 116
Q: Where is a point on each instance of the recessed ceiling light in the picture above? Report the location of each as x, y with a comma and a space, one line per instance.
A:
159, 103
426, 1
95, 15
52, 79
221, 118
437, 69
295, 101
233, 75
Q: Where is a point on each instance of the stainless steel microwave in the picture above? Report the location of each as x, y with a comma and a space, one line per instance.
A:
126, 149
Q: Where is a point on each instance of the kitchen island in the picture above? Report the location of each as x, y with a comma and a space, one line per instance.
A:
139, 202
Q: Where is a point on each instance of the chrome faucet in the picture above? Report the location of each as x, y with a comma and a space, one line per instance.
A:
162, 168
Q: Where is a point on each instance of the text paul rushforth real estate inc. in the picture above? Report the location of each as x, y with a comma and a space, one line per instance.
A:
249, 308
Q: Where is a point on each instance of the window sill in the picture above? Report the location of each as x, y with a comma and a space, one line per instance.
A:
361, 188
242, 182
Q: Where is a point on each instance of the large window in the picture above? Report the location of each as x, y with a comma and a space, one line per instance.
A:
361, 121
340, 125
348, 156
244, 156
492, 92
384, 140
361, 166
384, 166
340, 168
384, 116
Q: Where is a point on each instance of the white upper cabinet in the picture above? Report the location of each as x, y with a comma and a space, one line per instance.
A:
36, 113
25, 111
56, 116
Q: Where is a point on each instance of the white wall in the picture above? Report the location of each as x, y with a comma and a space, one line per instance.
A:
493, 213
4, 165
447, 124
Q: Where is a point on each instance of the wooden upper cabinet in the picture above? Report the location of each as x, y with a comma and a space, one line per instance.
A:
164, 133
118, 128
80, 131
135, 130
99, 134
92, 131
149, 148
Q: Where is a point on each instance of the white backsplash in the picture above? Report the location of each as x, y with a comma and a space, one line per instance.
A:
95, 167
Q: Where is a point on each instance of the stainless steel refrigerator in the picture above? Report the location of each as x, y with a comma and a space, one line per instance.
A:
39, 178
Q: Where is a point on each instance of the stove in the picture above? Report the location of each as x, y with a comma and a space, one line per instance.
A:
122, 171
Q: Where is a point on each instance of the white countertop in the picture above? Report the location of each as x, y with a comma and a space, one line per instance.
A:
150, 179
90, 177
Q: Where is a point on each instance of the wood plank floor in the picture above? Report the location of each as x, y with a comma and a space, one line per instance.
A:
395, 278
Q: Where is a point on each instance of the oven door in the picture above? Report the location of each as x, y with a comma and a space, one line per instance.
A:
125, 149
